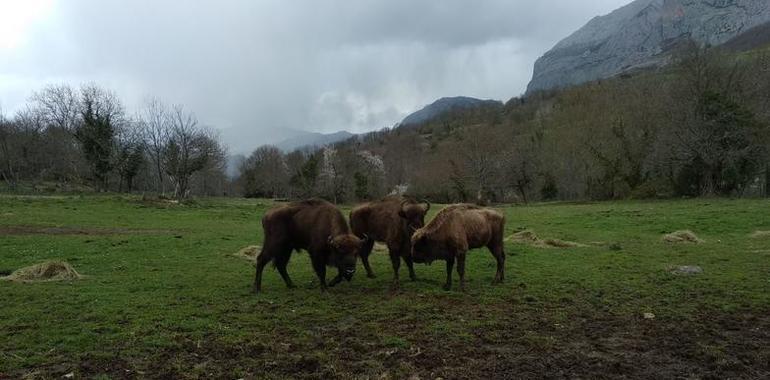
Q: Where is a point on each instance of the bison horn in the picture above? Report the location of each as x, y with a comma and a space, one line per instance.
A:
427, 205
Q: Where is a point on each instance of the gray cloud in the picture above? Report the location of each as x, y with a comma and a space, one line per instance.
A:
255, 69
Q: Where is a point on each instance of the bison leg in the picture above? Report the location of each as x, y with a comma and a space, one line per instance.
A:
366, 250
395, 259
461, 270
281, 261
263, 259
450, 262
410, 265
319, 265
499, 254
336, 280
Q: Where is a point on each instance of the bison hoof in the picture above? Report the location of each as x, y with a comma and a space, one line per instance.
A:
447, 287
371, 275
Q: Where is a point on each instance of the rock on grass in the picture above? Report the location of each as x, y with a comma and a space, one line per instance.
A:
686, 270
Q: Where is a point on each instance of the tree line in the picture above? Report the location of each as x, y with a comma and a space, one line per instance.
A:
696, 128
80, 139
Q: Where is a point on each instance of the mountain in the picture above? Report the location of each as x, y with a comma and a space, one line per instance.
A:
312, 139
442, 106
643, 34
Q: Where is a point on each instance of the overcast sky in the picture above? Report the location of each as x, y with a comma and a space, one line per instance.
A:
257, 68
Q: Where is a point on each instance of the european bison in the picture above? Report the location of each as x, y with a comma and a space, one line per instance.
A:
391, 220
454, 231
316, 226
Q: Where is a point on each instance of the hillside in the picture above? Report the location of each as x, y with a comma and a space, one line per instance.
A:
312, 140
442, 106
645, 33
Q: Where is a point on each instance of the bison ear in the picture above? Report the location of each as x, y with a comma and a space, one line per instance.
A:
401, 213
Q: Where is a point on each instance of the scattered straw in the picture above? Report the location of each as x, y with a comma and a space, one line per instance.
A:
685, 236
379, 247
530, 238
248, 253
47, 271
760, 234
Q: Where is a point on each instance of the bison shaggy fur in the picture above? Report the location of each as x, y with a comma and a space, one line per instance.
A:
391, 220
453, 232
313, 225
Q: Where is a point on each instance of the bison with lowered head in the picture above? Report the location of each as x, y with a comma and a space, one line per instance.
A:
455, 230
313, 225
391, 220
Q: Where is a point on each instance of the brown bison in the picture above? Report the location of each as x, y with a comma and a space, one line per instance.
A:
455, 230
391, 220
316, 226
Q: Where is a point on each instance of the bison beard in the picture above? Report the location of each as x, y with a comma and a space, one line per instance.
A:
390, 220
455, 230
316, 226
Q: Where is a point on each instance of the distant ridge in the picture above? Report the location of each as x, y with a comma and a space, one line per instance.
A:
442, 106
312, 140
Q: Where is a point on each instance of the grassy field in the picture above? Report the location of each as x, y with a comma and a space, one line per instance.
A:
163, 297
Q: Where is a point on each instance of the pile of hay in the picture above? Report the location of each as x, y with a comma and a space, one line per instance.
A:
760, 234
248, 253
44, 272
379, 247
685, 236
530, 238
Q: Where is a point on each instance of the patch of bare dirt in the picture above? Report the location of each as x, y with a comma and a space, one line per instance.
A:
509, 342
88, 231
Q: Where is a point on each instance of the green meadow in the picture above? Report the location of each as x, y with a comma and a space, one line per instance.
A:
163, 296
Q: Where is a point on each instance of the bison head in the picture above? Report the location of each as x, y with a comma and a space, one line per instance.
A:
414, 214
422, 248
345, 249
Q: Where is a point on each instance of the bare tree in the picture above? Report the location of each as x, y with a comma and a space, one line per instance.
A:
8, 169
189, 149
129, 155
155, 120
59, 105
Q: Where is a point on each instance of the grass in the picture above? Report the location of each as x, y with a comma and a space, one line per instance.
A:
164, 297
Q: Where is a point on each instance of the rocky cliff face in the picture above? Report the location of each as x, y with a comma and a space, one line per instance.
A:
640, 35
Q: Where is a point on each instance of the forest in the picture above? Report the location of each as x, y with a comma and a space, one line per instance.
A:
698, 127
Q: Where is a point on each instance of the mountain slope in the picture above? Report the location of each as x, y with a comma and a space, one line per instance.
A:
442, 106
642, 34
312, 139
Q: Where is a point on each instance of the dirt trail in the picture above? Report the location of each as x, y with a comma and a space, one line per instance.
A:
89, 231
